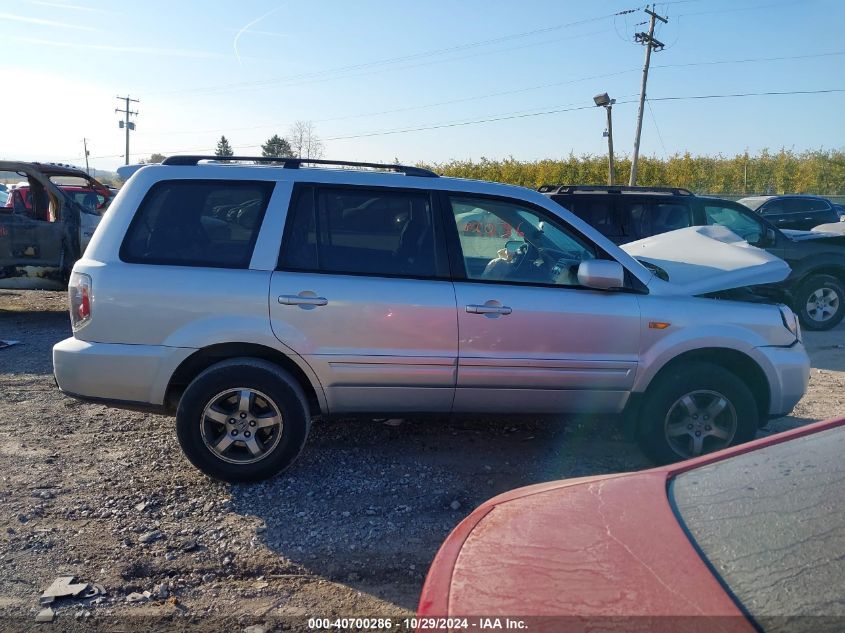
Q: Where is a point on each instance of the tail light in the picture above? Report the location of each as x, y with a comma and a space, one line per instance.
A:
79, 294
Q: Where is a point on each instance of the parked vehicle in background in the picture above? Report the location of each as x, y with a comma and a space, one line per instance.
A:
748, 539
43, 228
815, 289
793, 212
249, 299
840, 211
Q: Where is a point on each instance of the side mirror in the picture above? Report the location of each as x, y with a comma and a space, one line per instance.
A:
767, 239
771, 237
601, 274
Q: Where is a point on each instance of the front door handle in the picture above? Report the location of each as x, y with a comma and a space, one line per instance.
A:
305, 299
488, 309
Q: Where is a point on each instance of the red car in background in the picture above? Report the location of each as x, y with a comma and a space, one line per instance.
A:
89, 192
747, 539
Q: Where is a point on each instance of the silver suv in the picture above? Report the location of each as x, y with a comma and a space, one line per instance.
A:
252, 298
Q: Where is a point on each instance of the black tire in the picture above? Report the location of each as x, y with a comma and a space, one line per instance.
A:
283, 396
831, 289
663, 409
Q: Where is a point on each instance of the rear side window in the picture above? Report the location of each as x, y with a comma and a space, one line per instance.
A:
599, 214
645, 220
360, 231
197, 223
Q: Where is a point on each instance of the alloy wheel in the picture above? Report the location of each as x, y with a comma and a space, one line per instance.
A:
822, 304
241, 425
700, 422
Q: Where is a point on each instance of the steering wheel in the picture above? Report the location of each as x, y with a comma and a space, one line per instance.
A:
527, 253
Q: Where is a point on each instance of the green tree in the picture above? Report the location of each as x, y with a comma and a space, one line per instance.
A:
276, 146
223, 148
153, 159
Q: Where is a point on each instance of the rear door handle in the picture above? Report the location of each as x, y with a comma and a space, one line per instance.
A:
485, 309
303, 300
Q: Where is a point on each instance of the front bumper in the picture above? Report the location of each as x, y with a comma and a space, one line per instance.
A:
121, 374
788, 371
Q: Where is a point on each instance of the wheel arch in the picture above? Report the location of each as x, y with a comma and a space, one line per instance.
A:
738, 363
834, 270
204, 358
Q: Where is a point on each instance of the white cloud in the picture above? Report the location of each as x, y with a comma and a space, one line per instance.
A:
42, 22
140, 50
62, 5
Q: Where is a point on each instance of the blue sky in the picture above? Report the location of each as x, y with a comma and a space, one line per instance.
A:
249, 69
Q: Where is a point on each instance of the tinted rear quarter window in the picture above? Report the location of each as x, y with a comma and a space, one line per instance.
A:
360, 231
642, 219
599, 214
197, 223
771, 523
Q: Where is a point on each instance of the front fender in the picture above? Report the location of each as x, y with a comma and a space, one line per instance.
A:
689, 339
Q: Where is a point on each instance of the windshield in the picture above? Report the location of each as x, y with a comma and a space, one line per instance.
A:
753, 203
772, 525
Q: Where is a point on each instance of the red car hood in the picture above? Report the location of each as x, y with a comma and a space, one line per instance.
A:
598, 550
585, 550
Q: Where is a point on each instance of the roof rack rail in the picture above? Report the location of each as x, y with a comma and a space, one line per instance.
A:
295, 163
678, 191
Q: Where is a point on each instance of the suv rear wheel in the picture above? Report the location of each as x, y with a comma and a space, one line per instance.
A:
818, 302
697, 409
242, 420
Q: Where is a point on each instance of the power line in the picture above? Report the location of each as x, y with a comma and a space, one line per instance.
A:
503, 93
556, 111
270, 82
339, 70
770, 93
500, 93
516, 116
657, 129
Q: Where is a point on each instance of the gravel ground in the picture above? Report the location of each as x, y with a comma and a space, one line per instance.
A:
105, 495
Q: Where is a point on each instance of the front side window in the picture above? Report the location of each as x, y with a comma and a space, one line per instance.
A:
743, 224
361, 231
521, 247
197, 223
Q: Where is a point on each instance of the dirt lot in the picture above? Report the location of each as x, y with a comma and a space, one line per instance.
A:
106, 495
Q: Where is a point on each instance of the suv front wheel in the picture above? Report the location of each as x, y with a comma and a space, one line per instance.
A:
698, 408
818, 302
242, 420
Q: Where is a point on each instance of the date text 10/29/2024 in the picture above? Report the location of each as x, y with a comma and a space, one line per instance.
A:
417, 624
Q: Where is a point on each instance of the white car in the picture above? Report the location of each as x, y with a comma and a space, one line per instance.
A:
249, 299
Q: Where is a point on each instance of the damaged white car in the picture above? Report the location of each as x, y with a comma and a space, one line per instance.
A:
706, 260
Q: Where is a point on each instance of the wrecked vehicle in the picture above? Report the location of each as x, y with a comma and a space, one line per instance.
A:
750, 537
249, 299
815, 289
46, 221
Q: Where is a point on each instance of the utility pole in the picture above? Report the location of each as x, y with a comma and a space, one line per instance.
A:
650, 43
126, 124
85, 145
